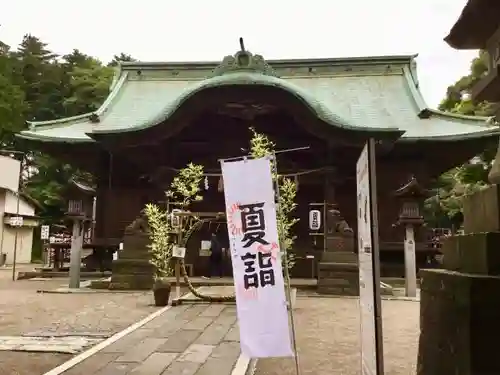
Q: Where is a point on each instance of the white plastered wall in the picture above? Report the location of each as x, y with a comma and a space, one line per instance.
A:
8, 204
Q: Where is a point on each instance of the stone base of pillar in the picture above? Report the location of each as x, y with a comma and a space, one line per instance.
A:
132, 270
338, 274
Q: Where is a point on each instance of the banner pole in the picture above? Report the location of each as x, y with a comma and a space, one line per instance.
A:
286, 272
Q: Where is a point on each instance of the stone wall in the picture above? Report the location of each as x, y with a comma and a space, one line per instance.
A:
460, 308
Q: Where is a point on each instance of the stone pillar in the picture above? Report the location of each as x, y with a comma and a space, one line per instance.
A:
410, 262
460, 308
76, 254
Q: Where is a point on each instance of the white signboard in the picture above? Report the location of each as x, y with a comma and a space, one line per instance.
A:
9, 178
314, 220
369, 278
178, 252
255, 253
16, 221
44, 232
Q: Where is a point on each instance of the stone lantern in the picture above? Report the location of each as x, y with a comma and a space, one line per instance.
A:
411, 198
80, 201
80, 208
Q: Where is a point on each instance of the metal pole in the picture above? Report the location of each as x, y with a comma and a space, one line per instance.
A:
274, 153
286, 272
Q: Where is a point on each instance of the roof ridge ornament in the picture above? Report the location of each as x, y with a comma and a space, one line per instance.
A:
242, 61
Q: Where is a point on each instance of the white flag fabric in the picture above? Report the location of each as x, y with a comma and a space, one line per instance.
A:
9, 173
255, 254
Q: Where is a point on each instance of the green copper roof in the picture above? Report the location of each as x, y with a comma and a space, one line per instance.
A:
361, 94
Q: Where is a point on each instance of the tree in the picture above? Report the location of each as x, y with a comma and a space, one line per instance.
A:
119, 58
36, 85
458, 98
39, 77
88, 86
444, 208
12, 104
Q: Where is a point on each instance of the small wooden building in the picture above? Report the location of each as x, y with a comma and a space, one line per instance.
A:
160, 116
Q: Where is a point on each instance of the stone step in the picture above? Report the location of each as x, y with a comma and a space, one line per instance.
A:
337, 267
131, 282
132, 266
339, 257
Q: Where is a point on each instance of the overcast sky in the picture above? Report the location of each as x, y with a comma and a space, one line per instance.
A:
154, 30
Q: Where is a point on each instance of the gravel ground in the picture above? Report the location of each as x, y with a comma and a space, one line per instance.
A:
328, 338
24, 311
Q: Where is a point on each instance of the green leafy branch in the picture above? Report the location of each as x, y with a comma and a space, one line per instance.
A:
260, 146
185, 188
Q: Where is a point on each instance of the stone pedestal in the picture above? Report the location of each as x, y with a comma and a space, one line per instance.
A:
460, 308
338, 274
338, 268
482, 211
132, 270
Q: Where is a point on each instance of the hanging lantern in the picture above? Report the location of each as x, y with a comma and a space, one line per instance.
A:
314, 220
175, 219
206, 183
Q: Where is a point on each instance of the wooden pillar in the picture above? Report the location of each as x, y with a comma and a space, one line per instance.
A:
104, 178
330, 204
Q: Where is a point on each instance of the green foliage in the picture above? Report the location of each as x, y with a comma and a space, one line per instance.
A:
444, 207
37, 85
185, 189
261, 146
162, 240
121, 57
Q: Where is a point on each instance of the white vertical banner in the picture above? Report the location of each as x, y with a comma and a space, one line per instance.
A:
369, 280
255, 254
9, 176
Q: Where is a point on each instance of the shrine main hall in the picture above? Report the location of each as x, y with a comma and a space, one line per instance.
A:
160, 116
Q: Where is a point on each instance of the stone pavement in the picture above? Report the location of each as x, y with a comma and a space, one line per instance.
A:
197, 339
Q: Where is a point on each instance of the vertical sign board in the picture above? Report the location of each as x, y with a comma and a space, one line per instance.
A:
369, 263
44, 232
255, 256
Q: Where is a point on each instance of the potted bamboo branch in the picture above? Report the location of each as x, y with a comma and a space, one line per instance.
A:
161, 252
184, 189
